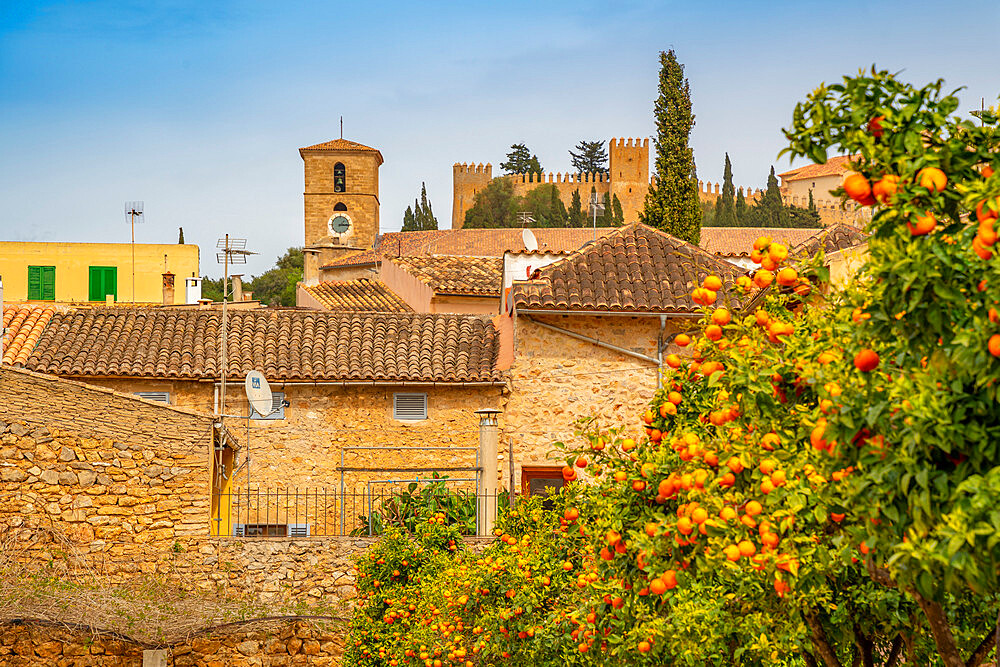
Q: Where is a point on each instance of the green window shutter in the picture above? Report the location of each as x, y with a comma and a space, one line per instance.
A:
103, 281
111, 281
96, 283
48, 283
34, 283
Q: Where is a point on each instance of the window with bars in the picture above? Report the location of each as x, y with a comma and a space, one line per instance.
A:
409, 407
271, 530
278, 405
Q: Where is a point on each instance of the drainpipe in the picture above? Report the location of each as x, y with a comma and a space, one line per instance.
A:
659, 351
487, 502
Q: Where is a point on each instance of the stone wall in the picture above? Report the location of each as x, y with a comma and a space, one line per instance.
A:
557, 379
274, 643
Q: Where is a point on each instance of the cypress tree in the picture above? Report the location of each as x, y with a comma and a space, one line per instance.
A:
409, 221
771, 207
725, 207
812, 204
741, 210
576, 216
619, 216
426, 217
180, 236
672, 204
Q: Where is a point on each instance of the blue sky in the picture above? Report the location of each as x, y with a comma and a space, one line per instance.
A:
198, 108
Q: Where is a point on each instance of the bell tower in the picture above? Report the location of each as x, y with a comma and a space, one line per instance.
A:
340, 198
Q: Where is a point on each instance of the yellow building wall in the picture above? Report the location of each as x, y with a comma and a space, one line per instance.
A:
73, 262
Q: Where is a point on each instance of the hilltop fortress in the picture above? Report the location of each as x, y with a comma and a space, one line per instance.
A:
627, 178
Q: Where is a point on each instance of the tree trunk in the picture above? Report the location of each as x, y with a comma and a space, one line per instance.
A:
894, 651
943, 638
982, 651
821, 643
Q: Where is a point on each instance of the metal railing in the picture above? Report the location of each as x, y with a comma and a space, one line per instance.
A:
324, 512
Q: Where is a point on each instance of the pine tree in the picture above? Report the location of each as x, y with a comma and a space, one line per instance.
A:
180, 237
672, 204
591, 158
521, 161
725, 206
741, 210
576, 216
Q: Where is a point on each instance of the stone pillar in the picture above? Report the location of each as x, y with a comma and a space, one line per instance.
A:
168, 289
487, 504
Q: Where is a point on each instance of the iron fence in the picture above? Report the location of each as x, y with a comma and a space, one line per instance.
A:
326, 512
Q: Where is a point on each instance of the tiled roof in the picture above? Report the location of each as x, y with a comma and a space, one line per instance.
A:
24, 325
738, 241
635, 269
831, 239
362, 295
456, 274
833, 167
339, 145
472, 242
286, 345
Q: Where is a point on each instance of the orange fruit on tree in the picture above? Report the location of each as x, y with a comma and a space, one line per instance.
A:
885, 188
866, 360
875, 128
675, 397
721, 317
767, 263
569, 474
727, 513
744, 283
713, 283
761, 242
778, 252
673, 361
762, 278
753, 508
747, 548
766, 487
644, 647
919, 225
682, 340
788, 276
932, 178
987, 233
713, 332
669, 579
732, 552
858, 188
980, 249
988, 208
657, 587
993, 345
733, 464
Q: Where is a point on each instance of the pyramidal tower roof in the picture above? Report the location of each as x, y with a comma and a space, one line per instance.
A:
342, 145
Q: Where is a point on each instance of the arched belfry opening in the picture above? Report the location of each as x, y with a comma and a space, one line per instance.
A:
340, 206
339, 178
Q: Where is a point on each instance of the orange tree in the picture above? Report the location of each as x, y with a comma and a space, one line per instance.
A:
919, 417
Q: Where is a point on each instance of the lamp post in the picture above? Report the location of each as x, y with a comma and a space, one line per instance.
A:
487, 502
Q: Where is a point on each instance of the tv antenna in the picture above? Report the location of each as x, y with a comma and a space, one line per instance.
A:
526, 218
231, 251
133, 214
595, 207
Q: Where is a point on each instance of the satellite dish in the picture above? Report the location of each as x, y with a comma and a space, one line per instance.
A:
259, 393
530, 242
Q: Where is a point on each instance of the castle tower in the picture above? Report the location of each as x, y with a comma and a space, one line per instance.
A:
340, 198
468, 179
629, 167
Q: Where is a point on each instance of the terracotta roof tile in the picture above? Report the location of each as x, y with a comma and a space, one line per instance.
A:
24, 326
832, 167
831, 239
471, 242
456, 274
286, 345
362, 295
738, 241
635, 269
339, 145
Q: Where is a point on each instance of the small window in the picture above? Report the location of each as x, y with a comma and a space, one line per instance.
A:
278, 405
409, 407
340, 206
339, 178
41, 283
158, 396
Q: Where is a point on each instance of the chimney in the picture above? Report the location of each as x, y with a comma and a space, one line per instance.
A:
237, 287
310, 274
168, 289
487, 502
248, 296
